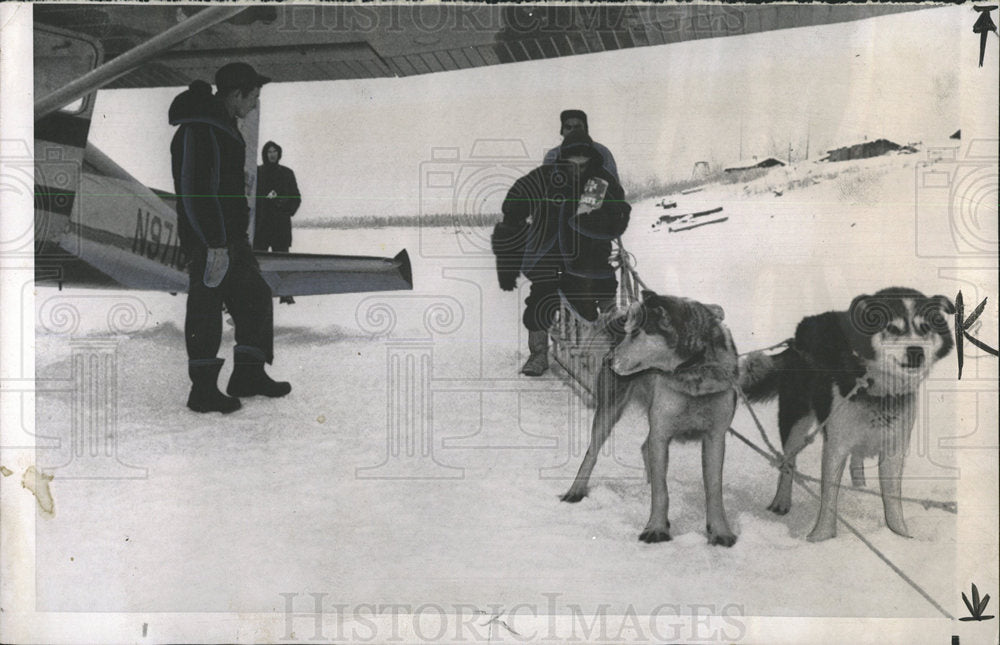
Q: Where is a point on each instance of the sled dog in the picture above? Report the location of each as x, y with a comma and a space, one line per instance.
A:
675, 357
857, 372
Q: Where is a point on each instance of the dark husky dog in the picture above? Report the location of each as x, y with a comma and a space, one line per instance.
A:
676, 357
884, 346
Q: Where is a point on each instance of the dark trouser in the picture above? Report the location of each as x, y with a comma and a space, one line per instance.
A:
263, 242
247, 298
589, 296
274, 233
542, 302
585, 295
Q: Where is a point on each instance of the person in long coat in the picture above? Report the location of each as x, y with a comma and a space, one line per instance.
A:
278, 199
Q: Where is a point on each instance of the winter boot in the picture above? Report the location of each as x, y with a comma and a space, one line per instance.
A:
538, 346
249, 378
205, 395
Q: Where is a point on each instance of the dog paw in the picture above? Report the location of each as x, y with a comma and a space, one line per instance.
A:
818, 535
901, 531
723, 539
652, 536
573, 496
779, 508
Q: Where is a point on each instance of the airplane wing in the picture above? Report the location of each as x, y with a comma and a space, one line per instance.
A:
288, 274
302, 274
298, 42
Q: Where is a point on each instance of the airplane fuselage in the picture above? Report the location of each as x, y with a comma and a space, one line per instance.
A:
116, 225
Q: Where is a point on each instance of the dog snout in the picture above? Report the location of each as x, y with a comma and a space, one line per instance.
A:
914, 356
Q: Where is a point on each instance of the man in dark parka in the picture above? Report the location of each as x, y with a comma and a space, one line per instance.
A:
573, 121
561, 249
208, 154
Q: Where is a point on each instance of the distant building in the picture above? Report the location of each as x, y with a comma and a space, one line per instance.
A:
770, 162
866, 150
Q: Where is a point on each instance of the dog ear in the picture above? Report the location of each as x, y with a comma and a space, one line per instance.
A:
944, 302
943, 305
869, 315
717, 311
856, 311
935, 311
622, 320
648, 295
859, 301
662, 317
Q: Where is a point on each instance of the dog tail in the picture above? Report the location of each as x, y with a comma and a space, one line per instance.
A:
760, 374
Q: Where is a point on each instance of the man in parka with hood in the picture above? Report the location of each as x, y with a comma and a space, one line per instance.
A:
208, 157
576, 121
564, 247
278, 198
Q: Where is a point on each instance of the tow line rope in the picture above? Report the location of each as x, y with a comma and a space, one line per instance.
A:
631, 284
782, 461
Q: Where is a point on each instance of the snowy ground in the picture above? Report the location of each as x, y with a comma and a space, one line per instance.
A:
306, 495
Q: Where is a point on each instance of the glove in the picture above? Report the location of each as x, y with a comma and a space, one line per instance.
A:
602, 223
216, 266
507, 242
508, 280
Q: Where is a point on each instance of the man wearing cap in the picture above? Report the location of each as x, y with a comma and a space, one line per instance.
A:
576, 121
562, 244
208, 156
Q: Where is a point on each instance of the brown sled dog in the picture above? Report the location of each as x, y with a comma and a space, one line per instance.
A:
676, 357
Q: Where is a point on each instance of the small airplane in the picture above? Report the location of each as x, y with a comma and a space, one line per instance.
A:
97, 225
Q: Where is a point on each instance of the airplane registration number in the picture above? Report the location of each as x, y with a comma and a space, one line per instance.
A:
157, 240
